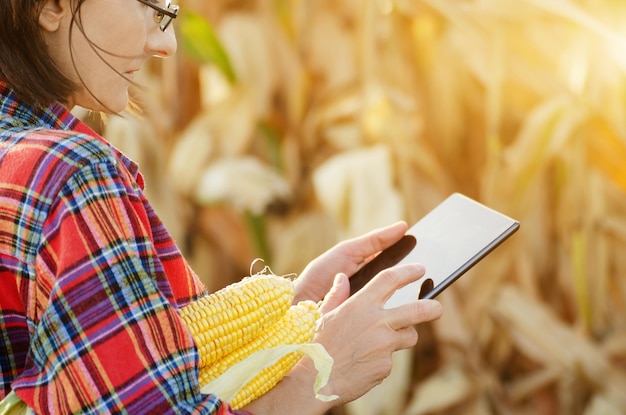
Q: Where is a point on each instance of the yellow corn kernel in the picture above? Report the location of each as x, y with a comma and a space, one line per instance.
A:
297, 326
229, 318
265, 380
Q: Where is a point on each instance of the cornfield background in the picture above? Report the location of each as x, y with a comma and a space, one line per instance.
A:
284, 126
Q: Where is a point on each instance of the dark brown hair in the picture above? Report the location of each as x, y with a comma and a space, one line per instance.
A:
25, 62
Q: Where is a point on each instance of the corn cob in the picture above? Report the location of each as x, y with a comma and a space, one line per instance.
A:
297, 326
229, 318
265, 380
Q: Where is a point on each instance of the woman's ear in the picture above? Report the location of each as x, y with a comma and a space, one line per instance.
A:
52, 13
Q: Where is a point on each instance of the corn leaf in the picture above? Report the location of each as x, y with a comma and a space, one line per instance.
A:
200, 41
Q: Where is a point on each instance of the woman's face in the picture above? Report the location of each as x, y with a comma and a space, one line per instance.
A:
110, 41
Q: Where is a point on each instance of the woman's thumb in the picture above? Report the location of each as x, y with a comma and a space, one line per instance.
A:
339, 292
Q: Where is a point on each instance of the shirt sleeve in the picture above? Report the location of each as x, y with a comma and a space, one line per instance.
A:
106, 337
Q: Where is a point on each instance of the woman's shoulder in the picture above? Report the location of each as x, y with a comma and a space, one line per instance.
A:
74, 148
45, 160
37, 147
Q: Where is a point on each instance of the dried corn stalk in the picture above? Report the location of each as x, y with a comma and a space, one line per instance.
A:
519, 104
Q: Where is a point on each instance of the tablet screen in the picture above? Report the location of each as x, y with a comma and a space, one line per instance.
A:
448, 241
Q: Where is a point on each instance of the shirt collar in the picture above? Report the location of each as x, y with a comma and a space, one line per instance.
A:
57, 117
54, 116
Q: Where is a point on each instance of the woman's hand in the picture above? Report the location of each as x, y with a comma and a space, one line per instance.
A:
346, 257
361, 335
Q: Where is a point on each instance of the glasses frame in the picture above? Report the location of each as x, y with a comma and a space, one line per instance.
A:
169, 14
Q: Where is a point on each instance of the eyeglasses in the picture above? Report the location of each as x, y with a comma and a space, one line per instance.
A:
162, 17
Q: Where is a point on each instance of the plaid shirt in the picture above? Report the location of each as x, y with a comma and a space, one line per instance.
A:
90, 279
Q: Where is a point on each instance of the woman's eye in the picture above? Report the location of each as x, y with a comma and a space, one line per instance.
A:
158, 16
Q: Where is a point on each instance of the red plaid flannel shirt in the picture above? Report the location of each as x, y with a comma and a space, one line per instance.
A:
90, 278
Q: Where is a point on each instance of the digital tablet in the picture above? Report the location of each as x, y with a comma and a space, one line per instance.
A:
448, 241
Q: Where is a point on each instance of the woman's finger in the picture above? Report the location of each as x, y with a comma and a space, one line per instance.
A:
419, 311
362, 248
386, 282
339, 293
406, 337
347, 257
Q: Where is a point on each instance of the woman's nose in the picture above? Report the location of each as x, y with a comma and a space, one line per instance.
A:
161, 44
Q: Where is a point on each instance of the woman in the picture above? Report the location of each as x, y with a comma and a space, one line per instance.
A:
90, 279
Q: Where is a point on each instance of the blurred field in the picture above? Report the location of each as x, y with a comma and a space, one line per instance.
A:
300, 123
